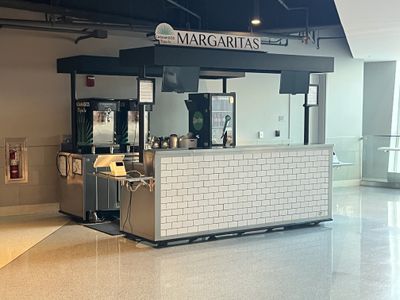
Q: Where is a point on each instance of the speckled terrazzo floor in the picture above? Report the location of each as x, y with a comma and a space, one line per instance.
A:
355, 257
20, 233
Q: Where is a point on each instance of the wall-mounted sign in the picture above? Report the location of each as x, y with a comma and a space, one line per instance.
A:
166, 35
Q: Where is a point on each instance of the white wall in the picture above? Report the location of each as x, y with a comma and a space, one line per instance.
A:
344, 115
379, 97
379, 89
259, 106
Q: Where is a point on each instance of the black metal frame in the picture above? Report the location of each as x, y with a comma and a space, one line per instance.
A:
73, 110
104, 65
228, 60
225, 90
201, 238
96, 65
108, 65
224, 60
206, 142
306, 120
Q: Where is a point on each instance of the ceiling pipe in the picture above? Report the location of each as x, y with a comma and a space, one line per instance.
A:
307, 15
262, 34
97, 34
198, 17
39, 28
84, 34
328, 38
77, 13
275, 43
296, 30
114, 27
77, 25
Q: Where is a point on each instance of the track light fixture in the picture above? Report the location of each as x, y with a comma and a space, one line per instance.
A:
256, 19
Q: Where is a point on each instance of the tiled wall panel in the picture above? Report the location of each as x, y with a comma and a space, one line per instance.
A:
225, 191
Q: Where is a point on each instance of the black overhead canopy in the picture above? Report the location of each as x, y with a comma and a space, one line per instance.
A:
105, 65
223, 60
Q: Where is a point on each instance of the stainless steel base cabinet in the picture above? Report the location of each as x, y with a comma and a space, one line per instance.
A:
137, 216
79, 188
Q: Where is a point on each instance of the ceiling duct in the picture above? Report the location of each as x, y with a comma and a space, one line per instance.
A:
84, 33
74, 13
187, 11
307, 18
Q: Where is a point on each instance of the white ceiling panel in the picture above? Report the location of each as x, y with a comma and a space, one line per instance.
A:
372, 28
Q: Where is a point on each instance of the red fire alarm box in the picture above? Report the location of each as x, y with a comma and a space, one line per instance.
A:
90, 80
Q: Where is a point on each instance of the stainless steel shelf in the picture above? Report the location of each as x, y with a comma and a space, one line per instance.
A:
129, 179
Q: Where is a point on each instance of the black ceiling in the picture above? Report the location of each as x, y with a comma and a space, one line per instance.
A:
224, 15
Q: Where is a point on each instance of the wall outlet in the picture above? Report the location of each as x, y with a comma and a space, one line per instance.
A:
277, 133
261, 134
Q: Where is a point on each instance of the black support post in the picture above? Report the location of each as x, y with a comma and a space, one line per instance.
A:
141, 121
73, 112
141, 132
306, 120
224, 85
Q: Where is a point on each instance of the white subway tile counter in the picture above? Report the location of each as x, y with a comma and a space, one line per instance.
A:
200, 192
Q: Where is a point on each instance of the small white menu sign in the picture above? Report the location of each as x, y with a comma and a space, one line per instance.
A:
146, 91
312, 99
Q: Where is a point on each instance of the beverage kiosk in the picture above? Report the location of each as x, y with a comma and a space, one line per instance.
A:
159, 204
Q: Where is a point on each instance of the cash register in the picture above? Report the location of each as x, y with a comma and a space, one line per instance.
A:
115, 163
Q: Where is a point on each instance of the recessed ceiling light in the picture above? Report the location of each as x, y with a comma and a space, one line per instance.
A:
255, 21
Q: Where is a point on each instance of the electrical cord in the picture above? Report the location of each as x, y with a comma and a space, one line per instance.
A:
129, 212
137, 172
131, 191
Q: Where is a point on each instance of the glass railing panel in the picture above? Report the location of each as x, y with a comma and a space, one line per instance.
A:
381, 158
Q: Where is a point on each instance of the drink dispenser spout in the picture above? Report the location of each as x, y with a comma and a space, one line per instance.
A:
108, 116
227, 120
224, 136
